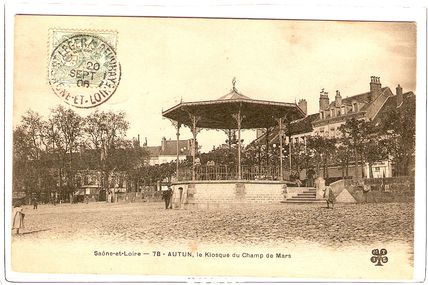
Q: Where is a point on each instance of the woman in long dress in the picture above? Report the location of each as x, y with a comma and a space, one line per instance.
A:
17, 218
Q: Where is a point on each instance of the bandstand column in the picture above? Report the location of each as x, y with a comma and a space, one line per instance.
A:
238, 118
195, 120
289, 145
177, 126
267, 147
280, 149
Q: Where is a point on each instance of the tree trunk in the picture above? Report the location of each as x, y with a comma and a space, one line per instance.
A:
356, 163
343, 170
371, 170
347, 167
318, 169
326, 167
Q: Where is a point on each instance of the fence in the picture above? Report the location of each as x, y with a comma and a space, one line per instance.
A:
225, 172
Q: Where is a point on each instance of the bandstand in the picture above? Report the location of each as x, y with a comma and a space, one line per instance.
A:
220, 185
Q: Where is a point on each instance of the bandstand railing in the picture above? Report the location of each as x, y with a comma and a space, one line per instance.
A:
225, 172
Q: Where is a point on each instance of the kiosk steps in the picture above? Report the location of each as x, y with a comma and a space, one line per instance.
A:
307, 196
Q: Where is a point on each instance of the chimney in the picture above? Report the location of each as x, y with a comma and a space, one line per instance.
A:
399, 92
163, 145
375, 87
324, 101
338, 99
303, 105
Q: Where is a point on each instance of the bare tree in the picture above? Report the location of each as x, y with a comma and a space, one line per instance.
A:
63, 131
106, 132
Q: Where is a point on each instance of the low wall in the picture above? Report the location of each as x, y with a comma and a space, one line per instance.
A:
151, 196
373, 190
212, 194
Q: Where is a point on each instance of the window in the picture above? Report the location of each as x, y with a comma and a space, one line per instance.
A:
332, 113
338, 111
354, 107
343, 110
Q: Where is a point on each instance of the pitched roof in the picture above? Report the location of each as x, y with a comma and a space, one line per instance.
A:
170, 148
391, 103
299, 126
303, 125
154, 151
233, 95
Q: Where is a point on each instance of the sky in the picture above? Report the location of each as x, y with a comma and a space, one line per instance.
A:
165, 60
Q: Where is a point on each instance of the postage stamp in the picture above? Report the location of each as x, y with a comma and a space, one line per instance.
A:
83, 67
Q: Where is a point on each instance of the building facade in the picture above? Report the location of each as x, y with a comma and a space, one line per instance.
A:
167, 151
368, 106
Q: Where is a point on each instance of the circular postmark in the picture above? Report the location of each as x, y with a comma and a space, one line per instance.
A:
84, 71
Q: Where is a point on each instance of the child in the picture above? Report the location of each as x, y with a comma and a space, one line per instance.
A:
18, 218
329, 197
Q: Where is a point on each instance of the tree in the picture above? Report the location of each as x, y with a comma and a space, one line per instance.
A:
398, 130
63, 132
105, 133
321, 150
342, 155
299, 159
354, 133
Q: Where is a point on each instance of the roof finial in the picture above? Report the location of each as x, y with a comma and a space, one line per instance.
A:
234, 82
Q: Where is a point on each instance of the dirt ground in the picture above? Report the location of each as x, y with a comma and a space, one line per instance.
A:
252, 224
308, 238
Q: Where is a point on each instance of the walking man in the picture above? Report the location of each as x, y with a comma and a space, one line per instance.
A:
35, 203
166, 196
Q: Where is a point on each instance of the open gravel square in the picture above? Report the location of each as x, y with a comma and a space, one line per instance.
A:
251, 224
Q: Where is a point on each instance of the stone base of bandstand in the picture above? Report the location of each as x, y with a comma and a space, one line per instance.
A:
226, 194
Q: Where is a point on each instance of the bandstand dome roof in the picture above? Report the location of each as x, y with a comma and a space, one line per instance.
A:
218, 114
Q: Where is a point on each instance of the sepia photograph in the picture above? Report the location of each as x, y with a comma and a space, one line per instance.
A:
180, 147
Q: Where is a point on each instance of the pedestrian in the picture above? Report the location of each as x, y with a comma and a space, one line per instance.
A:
170, 196
35, 203
310, 178
181, 201
366, 190
166, 196
18, 218
329, 197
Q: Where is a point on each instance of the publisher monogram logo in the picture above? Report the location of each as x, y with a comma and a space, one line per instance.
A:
379, 256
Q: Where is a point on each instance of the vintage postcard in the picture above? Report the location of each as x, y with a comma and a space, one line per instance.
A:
262, 144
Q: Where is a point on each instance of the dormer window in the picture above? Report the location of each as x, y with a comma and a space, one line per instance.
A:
354, 107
